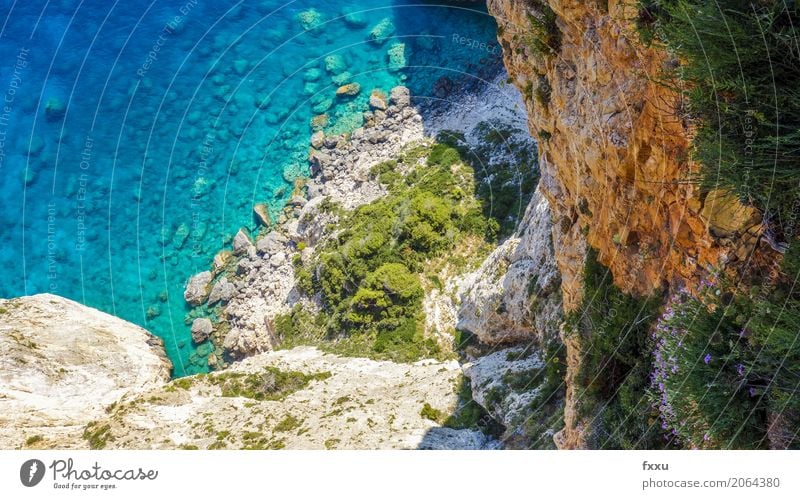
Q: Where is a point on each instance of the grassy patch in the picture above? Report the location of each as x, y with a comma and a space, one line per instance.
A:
726, 372
288, 423
432, 414
34, 440
97, 435
740, 65
269, 384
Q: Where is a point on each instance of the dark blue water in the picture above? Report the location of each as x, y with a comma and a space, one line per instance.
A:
135, 137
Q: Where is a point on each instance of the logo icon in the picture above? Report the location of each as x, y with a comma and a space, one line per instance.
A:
31, 472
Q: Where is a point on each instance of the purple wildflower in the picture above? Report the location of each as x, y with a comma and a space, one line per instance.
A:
707, 358
740, 369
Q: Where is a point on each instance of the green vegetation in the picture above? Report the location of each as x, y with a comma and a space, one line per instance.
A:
613, 330
97, 436
739, 72
432, 414
727, 373
369, 277
269, 384
288, 423
469, 414
34, 440
544, 37
546, 409
254, 440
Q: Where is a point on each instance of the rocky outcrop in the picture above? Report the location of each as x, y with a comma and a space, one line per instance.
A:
613, 155
74, 377
347, 403
515, 295
510, 385
260, 284
62, 365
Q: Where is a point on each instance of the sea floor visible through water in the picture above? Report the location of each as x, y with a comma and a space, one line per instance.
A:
136, 137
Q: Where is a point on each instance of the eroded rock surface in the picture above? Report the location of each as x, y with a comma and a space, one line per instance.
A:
63, 364
348, 403
515, 295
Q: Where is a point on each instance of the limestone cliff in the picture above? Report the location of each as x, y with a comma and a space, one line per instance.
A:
613, 157
62, 364
72, 377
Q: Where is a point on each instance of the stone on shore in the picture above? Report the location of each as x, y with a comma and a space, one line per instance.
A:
377, 100
242, 244
201, 329
198, 288
222, 290
400, 97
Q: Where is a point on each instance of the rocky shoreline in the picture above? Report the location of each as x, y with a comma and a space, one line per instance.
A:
512, 298
259, 396
252, 283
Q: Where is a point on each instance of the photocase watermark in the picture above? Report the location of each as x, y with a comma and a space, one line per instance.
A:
166, 32
31, 472
7, 106
66, 475
489, 48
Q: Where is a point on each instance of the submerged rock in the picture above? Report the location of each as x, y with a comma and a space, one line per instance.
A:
382, 31
261, 211
335, 64
397, 56
350, 89
354, 19
319, 122
222, 290
310, 19
54, 109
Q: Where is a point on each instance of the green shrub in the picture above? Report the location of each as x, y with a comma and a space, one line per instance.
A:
34, 440
97, 435
367, 277
726, 364
288, 423
544, 37
740, 66
432, 414
268, 384
612, 383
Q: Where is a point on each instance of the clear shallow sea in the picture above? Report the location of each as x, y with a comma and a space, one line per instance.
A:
135, 137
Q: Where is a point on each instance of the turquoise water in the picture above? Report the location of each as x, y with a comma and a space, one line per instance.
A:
135, 137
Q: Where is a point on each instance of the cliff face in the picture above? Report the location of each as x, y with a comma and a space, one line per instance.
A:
63, 364
613, 157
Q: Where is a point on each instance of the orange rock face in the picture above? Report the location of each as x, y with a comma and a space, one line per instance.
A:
614, 157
